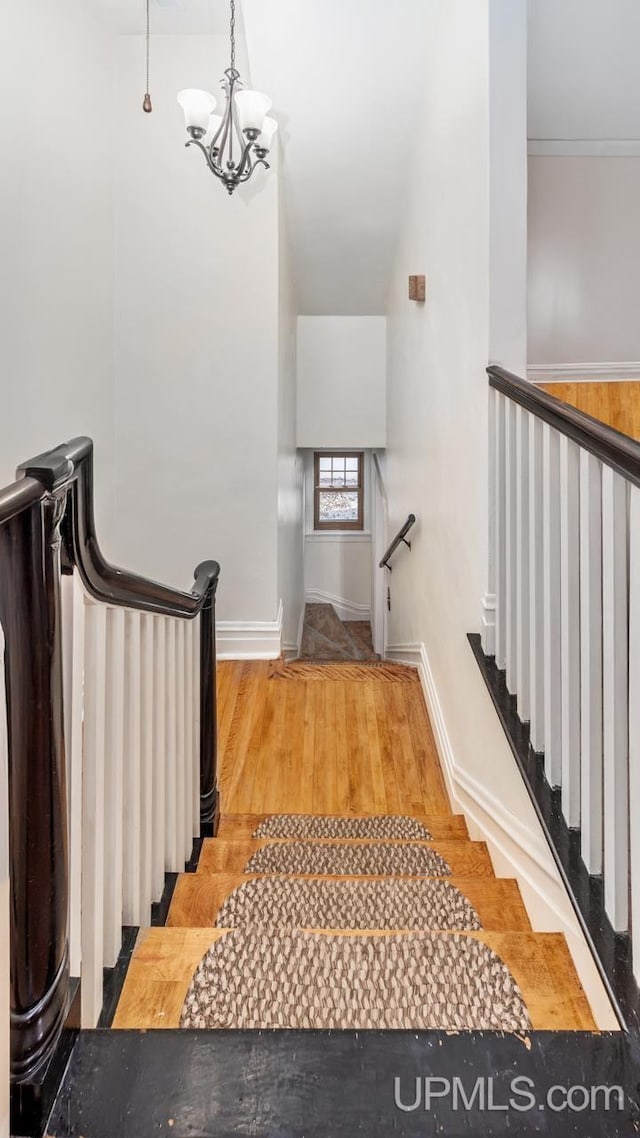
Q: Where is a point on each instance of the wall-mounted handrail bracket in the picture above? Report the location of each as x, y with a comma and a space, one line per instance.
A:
400, 538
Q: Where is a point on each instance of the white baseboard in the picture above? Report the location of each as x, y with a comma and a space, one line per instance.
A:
488, 624
583, 373
515, 850
249, 640
346, 610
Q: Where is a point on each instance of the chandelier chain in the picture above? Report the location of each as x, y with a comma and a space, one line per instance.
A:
147, 45
233, 35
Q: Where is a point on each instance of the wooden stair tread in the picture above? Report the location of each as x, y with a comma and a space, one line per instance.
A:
197, 899
240, 827
164, 960
466, 858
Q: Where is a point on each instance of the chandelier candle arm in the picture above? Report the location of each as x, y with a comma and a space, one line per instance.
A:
244, 117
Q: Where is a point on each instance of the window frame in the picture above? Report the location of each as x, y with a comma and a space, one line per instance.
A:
320, 526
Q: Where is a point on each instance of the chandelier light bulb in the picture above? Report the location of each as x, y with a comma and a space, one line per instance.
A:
252, 108
269, 128
197, 107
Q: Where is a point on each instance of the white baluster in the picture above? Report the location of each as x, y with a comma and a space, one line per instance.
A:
4, 906
73, 615
570, 627
159, 763
523, 645
114, 786
488, 626
188, 727
536, 584
615, 698
93, 787
634, 719
132, 909
180, 748
196, 727
501, 530
511, 511
146, 765
591, 659
172, 863
551, 555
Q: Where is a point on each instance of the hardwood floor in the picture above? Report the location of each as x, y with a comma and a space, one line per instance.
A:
337, 747
616, 403
342, 741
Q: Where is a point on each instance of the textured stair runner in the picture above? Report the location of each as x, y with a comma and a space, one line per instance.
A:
367, 968
390, 904
384, 827
373, 859
309, 980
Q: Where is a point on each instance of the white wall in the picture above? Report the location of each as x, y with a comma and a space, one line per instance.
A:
436, 462
341, 381
584, 260
57, 84
290, 464
197, 344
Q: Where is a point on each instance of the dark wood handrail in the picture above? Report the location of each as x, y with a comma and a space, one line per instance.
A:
72, 464
47, 526
401, 536
612, 447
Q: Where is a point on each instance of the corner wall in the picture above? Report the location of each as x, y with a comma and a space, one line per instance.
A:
56, 235
437, 455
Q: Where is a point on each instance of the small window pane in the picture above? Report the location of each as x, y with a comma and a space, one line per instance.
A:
325, 463
352, 478
338, 507
352, 464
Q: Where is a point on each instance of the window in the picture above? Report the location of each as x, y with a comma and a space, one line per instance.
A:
338, 490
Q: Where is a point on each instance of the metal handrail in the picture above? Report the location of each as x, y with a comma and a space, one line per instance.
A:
400, 538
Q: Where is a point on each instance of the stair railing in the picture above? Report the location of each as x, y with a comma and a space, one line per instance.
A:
565, 571
110, 748
399, 539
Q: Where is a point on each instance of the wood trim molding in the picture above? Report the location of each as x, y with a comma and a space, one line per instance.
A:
584, 147
583, 373
250, 640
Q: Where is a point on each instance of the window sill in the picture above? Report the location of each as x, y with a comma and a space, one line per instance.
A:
338, 535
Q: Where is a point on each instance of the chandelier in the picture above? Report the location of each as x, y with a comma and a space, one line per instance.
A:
237, 142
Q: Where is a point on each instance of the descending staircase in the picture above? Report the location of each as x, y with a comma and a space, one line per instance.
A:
326, 637
288, 932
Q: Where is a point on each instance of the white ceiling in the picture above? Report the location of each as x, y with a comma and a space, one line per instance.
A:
584, 71
167, 17
344, 76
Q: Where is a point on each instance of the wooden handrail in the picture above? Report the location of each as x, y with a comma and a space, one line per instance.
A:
612, 447
47, 521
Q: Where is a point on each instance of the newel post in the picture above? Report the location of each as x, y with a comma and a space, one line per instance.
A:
208, 716
38, 854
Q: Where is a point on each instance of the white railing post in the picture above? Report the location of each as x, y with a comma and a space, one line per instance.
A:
5, 996
551, 554
73, 634
93, 790
195, 647
488, 622
132, 909
591, 660
536, 585
171, 789
188, 726
615, 698
500, 530
146, 764
159, 770
180, 747
522, 565
570, 627
634, 720
114, 786
511, 511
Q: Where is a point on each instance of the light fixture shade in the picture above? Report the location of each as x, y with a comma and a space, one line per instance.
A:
252, 107
215, 122
197, 107
269, 128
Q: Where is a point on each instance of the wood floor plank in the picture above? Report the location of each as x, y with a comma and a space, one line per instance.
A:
239, 827
198, 897
467, 859
615, 403
165, 959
